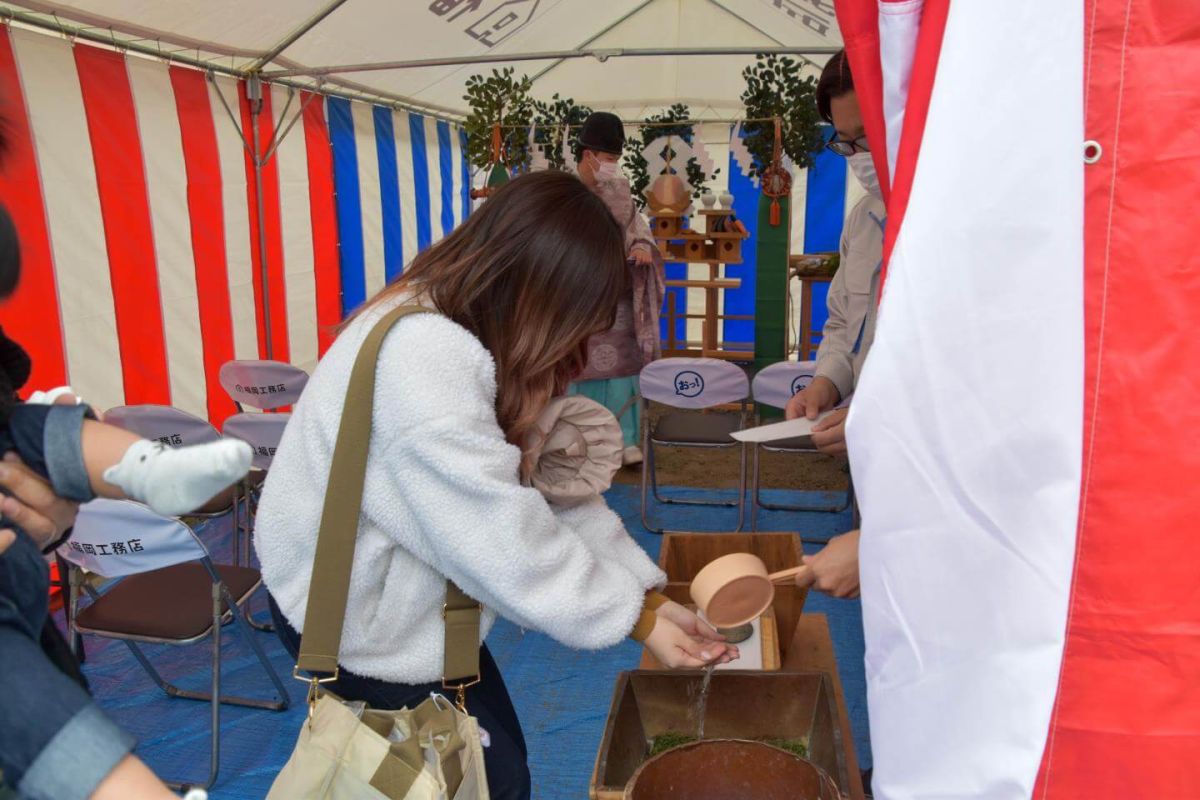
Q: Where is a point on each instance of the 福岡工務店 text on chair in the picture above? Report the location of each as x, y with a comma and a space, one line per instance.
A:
169, 592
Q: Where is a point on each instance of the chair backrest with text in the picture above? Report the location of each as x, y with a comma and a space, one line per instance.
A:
115, 538
775, 385
261, 431
693, 382
164, 424
265, 385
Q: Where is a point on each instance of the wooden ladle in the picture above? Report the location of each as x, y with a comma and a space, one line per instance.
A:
736, 588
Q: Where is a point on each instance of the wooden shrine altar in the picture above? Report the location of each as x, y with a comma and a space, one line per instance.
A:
719, 244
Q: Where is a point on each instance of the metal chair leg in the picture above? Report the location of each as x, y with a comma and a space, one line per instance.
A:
650, 489
74, 639
170, 689
215, 701
830, 509
248, 525
236, 614
661, 498
214, 755
246, 500
234, 541
754, 490
242, 620
653, 476
265, 627
742, 492
647, 474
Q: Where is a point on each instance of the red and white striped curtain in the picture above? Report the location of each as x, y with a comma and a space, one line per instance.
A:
133, 193
1023, 436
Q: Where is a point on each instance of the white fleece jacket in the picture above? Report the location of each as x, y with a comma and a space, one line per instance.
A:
442, 499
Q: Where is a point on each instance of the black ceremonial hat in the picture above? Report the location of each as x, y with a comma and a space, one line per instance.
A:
604, 132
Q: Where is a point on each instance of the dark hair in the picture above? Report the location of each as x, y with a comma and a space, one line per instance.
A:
10, 255
835, 81
533, 272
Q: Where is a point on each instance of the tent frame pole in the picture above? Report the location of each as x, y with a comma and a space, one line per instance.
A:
291, 38
624, 17
105, 38
600, 54
254, 95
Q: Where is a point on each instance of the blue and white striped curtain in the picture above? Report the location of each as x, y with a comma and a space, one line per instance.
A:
402, 182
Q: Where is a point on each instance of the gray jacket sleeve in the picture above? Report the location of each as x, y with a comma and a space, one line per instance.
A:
835, 357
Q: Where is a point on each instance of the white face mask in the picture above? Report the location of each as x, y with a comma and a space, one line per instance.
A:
864, 169
606, 170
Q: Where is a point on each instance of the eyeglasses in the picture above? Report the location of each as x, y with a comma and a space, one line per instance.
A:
849, 148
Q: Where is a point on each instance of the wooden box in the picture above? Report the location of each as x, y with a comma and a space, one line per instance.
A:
717, 220
673, 251
741, 704
728, 249
684, 554
666, 227
694, 249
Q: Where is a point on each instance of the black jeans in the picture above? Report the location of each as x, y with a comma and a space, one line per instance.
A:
505, 758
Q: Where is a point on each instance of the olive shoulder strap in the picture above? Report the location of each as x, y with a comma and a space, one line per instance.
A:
330, 585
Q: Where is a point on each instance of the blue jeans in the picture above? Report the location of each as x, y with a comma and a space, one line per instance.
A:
55, 743
48, 439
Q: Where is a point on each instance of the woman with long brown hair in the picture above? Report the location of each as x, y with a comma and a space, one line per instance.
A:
518, 288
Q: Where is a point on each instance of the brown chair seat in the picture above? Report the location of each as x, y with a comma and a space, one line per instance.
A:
219, 504
223, 501
706, 429
173, 603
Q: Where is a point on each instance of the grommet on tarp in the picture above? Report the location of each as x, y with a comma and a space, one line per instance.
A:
1092, 151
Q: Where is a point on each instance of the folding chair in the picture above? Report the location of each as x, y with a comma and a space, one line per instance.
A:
176, 428
774, 386
262, 432
692, 384
264, 386
170, 592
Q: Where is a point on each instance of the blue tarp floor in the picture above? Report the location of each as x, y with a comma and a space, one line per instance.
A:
562, 696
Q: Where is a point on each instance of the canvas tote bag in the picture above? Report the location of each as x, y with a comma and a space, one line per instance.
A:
348, 751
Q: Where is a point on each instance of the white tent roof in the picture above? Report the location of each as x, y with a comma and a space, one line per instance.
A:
295, 36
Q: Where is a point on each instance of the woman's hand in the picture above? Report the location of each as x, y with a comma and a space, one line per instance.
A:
829, 435
833, 570
689, 622
33, 506
676, 649
642, 257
